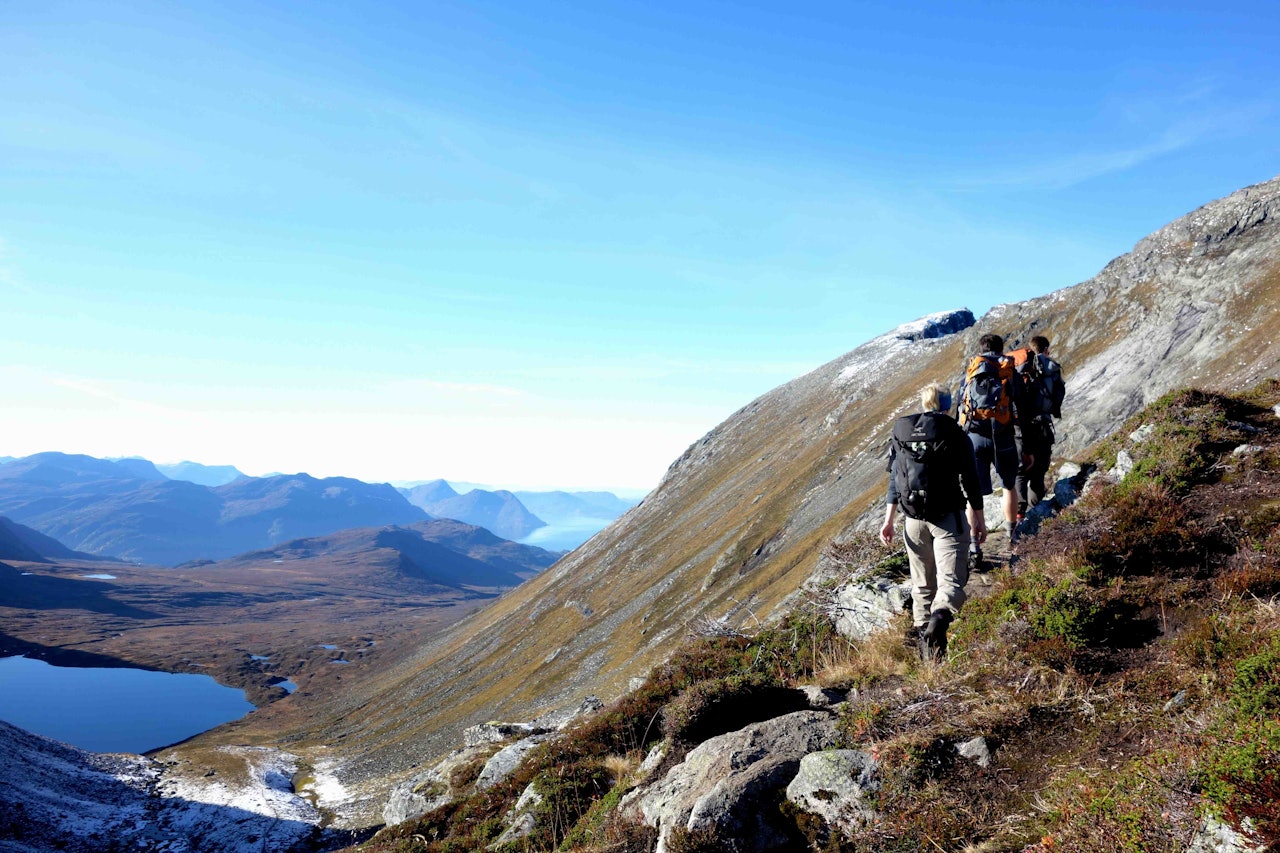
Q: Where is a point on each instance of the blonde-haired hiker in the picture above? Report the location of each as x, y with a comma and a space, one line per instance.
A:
932, 476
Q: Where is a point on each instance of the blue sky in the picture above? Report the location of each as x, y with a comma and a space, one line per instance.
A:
550, 244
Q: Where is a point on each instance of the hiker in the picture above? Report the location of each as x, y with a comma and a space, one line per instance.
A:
932, 475
989, 411
1042, 396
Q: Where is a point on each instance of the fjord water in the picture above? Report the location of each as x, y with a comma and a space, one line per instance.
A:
113, 709
566, 535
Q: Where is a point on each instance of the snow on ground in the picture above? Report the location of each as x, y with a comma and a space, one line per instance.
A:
329, 792
240, 800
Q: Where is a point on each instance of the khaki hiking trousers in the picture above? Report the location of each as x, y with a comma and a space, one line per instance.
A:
939, 553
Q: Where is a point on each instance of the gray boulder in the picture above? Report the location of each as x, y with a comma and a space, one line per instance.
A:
719, 786
506, 760
867, 605
834, 784
495, 732
1214, 836
1124, 464
822, 697
428, 790
976, 750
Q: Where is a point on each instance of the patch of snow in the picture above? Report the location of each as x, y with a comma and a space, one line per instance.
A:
75, 800
329, 791
100, 576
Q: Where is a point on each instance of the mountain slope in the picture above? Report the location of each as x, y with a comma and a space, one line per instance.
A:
19, 542
428, 493
444, 552
740, 520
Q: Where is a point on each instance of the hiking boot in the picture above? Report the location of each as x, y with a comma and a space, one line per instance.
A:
933, 638
1015, 532
912, 637
975, 560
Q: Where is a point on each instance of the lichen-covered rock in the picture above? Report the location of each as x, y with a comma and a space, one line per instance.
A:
496, 732
834, 784
1214, 836
427, 790
506, 760
865, 606
976, 750
822, 697
721, 784
1142, 433
1124, 464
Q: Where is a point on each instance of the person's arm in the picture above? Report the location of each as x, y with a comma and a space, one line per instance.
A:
968, 464
891, 501
977, 525
886, 530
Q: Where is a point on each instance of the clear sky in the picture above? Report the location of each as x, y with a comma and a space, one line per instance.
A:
550, 244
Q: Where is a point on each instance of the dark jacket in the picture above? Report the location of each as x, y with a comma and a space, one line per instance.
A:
929, 452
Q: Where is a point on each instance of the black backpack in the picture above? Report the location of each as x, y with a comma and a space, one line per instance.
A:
1053, 388
923, 474
1039, 381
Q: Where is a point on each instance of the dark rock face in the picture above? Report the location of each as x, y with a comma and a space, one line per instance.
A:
936, 326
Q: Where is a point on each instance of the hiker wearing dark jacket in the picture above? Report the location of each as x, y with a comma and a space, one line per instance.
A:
1044, 404
932, 476
990, 412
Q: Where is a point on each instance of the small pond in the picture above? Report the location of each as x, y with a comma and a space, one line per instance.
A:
113, 709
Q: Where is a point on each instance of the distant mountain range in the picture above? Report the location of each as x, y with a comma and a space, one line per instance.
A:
564, 507
172, 514
128, 509
515, 515
204, 475
500, 511
442, 551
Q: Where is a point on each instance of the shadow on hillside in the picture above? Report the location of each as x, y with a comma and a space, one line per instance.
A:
41, 592
11, 646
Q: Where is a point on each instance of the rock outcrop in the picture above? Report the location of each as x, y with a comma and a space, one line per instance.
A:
719, 787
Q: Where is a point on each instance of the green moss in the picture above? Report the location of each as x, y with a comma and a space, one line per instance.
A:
1065, 612
1256, 689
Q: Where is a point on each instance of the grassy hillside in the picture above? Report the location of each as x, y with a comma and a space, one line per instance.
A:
1124, 667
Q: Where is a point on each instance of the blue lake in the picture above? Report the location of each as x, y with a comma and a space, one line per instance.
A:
110, 709
566, 536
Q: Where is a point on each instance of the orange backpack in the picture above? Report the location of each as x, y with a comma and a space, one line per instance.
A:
988, 393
